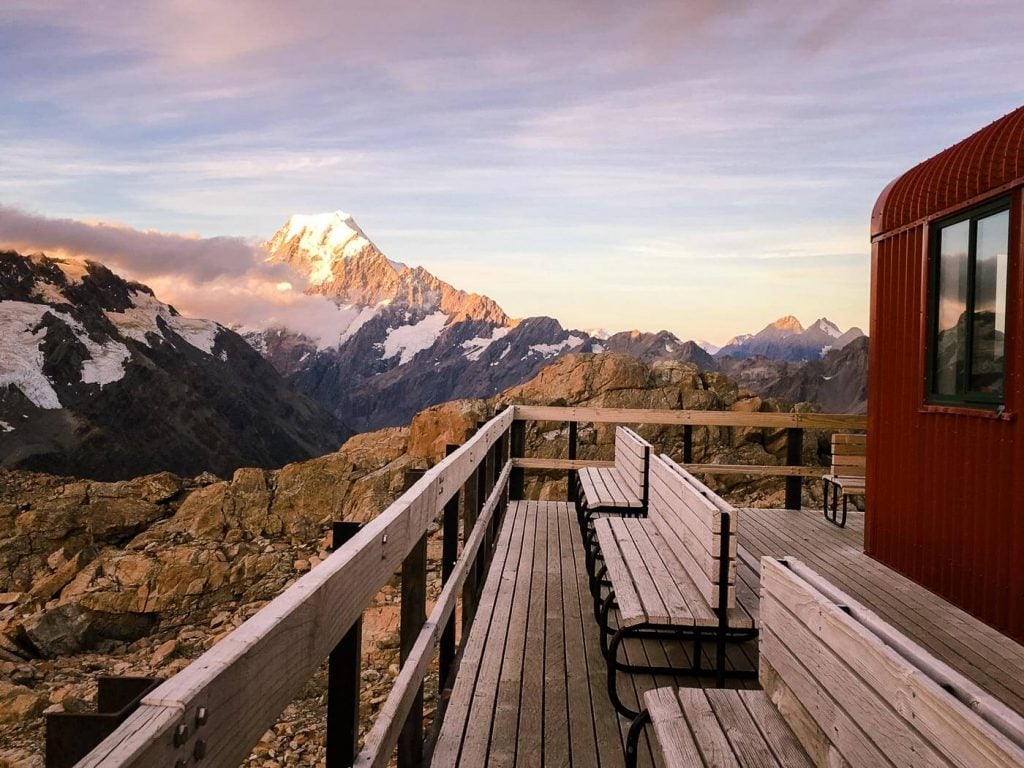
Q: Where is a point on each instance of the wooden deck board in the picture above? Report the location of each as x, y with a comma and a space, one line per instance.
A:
532, 685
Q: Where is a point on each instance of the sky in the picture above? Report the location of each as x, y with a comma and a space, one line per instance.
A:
701, 167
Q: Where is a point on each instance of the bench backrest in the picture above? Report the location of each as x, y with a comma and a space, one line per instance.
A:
853, 687
632, 460
849, 455
696, 529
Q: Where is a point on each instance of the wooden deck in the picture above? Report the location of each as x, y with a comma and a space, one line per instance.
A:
531, 688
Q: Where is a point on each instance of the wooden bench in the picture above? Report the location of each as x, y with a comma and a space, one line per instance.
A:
671, 574
848, 475
621, 489
841, 688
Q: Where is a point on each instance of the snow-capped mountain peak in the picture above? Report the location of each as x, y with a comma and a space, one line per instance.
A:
827, 327
314, 243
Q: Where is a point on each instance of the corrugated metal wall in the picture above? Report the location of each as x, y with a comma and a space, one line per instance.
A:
946, 490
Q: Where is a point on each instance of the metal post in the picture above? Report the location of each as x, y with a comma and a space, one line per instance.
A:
794, 458
343, 679
518, 451
412, 618
687, 443
572, 456
449, 554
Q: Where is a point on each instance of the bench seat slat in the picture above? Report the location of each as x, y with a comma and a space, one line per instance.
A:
597, 484
721, 727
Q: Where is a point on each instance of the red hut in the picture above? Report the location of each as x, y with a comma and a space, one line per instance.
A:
946, 375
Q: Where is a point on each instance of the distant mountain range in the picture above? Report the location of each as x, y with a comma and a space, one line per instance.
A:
787, 339
406, 340
100, 379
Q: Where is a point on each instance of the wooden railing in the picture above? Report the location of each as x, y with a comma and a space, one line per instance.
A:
794, 424
214, 711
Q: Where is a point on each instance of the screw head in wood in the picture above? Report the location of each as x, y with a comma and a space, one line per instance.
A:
180, 735
199, 752
202, 715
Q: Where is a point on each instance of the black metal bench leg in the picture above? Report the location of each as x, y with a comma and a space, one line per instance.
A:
602, 621
845, 501
613, 690
633, 737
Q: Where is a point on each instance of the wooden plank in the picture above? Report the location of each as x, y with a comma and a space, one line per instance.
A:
609, 744
582, 741
702, 418
577, 464
758, 470
505, 730
783, 742
556, 703
449, 743
947, 725
856, 698
703, 615
626, 596
706, 729
673, 741
842, 731
742, 733
653, 606
529, 744
849, 439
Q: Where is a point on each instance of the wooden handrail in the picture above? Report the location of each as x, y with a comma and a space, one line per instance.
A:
383, 737
774, 470
695, 418
230, 696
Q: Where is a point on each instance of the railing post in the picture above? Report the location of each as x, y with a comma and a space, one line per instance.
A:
687, 443
412, 618
483, 470
794, 454
518, 451
573, 438
343, 679
449, 554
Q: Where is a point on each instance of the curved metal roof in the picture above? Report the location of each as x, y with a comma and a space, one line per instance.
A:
986, 161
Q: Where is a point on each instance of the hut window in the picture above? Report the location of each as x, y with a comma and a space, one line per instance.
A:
968, 309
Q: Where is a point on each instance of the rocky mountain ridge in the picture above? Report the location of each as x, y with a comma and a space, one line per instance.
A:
410, 340
100, 379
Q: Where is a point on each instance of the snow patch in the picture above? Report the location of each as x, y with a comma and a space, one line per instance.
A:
139, 321
708, 347
826, 349
410, 340
21, 359
49, 293
828, 327
5, 427
828, 378
476, 346
598, 348
547, 350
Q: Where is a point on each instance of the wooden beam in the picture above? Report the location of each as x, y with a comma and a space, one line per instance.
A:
766, 470
700, 418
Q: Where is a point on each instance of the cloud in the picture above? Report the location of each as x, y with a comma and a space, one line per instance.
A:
220, 278
145, 253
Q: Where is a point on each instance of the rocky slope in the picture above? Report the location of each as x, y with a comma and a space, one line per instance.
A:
100, 379
141, 576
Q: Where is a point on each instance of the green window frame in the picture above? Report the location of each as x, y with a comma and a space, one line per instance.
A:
968, 291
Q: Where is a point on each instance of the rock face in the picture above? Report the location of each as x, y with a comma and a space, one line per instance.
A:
99, 379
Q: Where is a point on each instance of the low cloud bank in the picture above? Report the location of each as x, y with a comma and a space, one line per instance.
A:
219, 278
